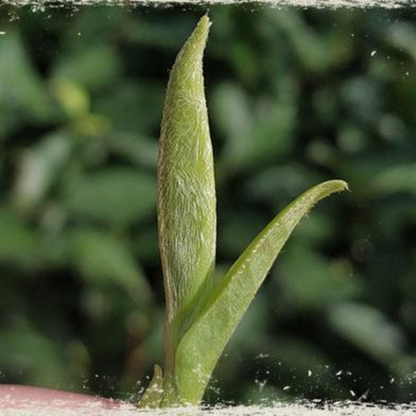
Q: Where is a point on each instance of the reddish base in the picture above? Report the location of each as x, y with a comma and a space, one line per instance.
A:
24, 397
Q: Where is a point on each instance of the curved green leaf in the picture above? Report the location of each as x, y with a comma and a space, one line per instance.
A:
202, 345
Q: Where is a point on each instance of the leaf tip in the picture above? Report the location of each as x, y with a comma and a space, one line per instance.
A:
205, 21
202, 29
340, 185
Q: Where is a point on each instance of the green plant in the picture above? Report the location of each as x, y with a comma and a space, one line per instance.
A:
202, 313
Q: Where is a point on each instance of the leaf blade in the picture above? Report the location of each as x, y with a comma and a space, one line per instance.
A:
202, 345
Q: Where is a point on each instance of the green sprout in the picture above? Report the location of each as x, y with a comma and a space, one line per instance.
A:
201, 312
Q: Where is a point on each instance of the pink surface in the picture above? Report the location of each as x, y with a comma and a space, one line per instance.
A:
24, 397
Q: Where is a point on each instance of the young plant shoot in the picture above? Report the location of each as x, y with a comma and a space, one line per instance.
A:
201, 315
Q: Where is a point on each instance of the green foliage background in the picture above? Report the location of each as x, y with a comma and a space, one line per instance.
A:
295, 97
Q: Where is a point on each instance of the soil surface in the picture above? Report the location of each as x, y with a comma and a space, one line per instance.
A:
30, 401
331, 4
277, 410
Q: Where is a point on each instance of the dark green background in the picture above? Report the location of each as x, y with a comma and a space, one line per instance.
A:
295, 97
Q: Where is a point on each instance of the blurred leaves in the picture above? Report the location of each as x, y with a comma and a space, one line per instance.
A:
22, 95
368, 329
72, 97
311, 281
38, 169
403, 36
41, 359
255, 132
105, 261
133, 108
19, 244
93, 67
396, 179
117, 196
